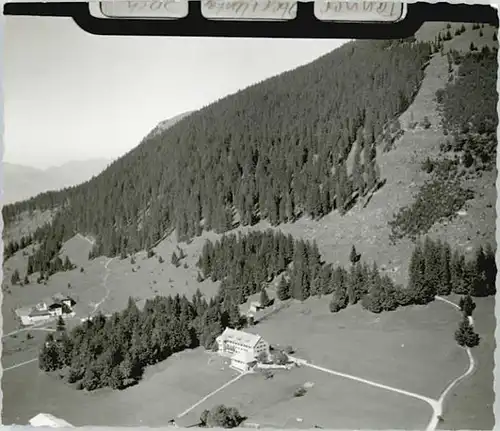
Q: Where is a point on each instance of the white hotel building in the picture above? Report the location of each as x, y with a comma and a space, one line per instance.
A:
243, 348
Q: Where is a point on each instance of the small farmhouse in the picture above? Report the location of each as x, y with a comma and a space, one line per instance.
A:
243, 348
58, 305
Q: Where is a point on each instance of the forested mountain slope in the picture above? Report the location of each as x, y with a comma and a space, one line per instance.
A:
337, 166
273, 151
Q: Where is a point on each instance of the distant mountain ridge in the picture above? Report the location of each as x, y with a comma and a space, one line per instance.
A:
225, 162
22, 182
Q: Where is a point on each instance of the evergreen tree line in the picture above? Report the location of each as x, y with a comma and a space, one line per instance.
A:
273, 151
12, 247
436, 270
45, 257
113, 352
245, 263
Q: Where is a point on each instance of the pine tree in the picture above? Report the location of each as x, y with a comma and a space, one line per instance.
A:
420, 291
264, 298
353, 257
283, 291
445, 285
479, 269
339, 300
371, 170
465, 335
490, 269
467, 305
68, 266
15, 277
300, 283
48, 358
60, 325
432, 269
357, 171
458, 277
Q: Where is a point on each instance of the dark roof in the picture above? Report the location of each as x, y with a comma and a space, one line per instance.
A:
39, 313
56, 305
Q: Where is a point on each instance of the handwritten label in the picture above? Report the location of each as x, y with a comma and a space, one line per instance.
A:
360, 11
249, 9
145, 9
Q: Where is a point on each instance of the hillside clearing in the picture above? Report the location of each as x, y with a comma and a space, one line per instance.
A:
330, 403
411, 348
167, 389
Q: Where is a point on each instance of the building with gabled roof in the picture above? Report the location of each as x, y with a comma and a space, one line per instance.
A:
46, 309
242, 347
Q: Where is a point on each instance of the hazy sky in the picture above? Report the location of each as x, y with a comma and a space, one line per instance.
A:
69, 95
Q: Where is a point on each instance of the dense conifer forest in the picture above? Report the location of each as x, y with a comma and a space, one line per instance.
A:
225, 164
244, 264
114, 351
278, 150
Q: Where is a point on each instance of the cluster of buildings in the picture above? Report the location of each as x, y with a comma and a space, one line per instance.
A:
49, 308
242, 348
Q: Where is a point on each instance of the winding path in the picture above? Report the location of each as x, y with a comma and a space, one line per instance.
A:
436, 405
104, 284
467, 373
430, 401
